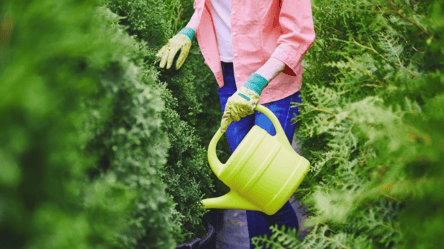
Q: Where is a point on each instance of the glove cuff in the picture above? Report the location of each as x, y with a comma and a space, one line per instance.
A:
189, 32
256, 83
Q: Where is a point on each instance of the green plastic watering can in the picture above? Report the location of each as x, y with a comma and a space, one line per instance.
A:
262, 173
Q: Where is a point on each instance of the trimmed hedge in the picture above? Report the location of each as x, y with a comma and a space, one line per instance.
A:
81, 142
192, 114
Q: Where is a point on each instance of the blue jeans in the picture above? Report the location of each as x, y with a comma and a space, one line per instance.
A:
258, 222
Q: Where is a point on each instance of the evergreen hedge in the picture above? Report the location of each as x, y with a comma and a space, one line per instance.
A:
81, 142
192, 114
371, 126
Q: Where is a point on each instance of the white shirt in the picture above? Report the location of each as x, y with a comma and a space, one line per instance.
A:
222, 23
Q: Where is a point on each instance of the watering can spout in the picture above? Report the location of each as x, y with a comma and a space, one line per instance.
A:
232, 200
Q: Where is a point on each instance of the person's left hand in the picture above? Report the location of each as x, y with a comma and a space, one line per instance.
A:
240, 105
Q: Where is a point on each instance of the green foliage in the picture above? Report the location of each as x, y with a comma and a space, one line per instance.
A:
144, 19
133, 146
320, 238
192, 112
81, 142
371, 126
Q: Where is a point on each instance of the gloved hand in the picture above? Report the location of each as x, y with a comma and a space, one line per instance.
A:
243, 101
180, 41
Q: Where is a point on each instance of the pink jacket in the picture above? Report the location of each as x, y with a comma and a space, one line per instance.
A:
260, 29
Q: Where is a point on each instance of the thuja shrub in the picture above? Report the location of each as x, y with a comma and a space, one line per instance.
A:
134, 146
188, 109
203, 88
80, 139
194, 85
371, 126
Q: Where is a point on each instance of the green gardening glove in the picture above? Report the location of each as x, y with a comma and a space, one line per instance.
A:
243, 102
180, 41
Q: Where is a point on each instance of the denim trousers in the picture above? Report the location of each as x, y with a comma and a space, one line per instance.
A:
258, 222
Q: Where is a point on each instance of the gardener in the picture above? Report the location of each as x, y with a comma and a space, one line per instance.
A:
257, 60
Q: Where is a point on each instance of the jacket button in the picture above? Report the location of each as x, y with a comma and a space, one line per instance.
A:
234, 33
235, 54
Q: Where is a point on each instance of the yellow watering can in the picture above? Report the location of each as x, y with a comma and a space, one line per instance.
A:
262, 173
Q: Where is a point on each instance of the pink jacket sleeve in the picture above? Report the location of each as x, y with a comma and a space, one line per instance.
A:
298, 33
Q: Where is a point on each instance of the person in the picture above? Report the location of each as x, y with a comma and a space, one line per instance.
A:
255, 50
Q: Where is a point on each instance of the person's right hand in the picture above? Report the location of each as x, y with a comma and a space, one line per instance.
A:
180, 41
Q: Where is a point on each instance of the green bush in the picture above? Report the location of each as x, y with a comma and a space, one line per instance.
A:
81, 142
192, 112
371, 126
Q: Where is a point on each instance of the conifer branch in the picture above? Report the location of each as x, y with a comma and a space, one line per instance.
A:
337, 242
397, 56
369, 75
382, 12
371, 85
349, 131
383, 57
319, 109
323, 241
406, 19
337, 31
363, 46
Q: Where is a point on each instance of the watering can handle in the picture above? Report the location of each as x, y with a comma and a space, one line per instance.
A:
212, 156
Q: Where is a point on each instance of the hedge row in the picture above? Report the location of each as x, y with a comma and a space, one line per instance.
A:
95, 150
95, 134
192, 113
